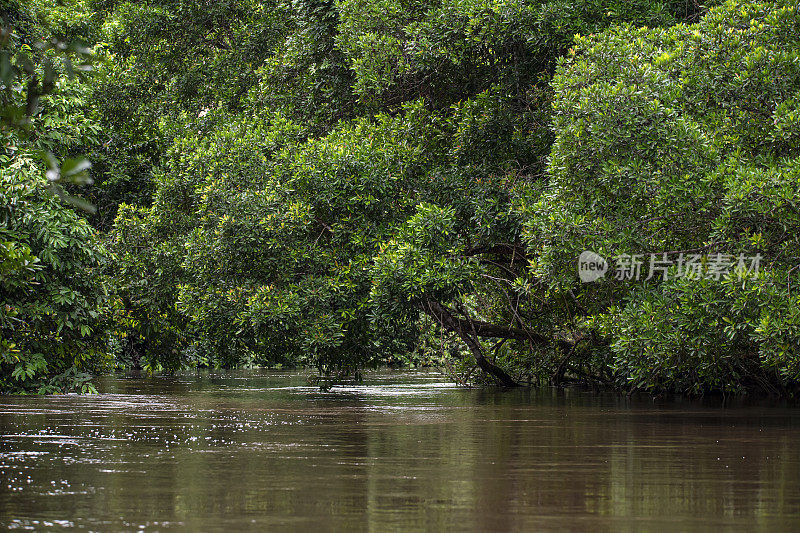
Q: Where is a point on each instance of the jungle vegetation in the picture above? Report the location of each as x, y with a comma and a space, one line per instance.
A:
343, 184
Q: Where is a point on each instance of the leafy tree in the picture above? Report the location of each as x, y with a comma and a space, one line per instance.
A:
53, 293
162, 65
379, 175
682, 140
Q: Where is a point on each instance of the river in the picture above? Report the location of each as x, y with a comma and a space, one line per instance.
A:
256, 451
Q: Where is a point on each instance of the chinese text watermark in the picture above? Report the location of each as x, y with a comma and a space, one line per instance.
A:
665, 266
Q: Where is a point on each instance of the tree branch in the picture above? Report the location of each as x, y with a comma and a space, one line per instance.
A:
468, 331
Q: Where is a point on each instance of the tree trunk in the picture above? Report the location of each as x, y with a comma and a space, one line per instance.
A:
468, 330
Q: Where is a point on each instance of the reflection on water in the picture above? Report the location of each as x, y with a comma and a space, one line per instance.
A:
257, 451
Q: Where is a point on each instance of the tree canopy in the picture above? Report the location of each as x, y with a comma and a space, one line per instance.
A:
348, 184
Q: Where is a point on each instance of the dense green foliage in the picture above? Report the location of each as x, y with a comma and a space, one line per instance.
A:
294, 236
54, 293
345, 184
683, 139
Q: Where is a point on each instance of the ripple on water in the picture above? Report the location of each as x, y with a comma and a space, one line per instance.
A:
231, 453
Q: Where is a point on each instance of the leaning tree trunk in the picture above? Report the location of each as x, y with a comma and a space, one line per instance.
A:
469, 331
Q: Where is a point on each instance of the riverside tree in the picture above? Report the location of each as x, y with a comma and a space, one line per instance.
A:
343, 184
681, 140
53, 294
299, 236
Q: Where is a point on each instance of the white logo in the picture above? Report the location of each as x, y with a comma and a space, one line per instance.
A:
591, 266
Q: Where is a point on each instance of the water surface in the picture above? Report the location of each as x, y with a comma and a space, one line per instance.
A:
263, 451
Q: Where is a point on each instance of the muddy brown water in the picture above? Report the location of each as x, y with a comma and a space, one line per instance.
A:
264, 451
